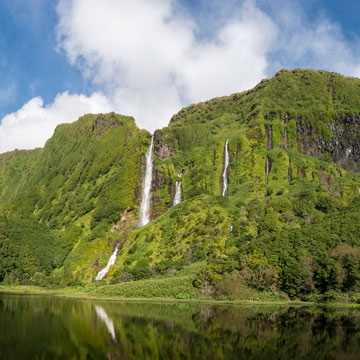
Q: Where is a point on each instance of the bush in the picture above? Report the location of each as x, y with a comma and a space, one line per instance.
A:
183, 296
39, 279
141, 270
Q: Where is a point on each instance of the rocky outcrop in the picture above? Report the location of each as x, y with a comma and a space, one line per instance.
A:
341, 142
161, 147
104, 122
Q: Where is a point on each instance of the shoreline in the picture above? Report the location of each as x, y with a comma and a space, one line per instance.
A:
77, 294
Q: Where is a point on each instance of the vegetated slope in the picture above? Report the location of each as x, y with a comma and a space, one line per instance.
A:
306, 123
290, 228
92, 166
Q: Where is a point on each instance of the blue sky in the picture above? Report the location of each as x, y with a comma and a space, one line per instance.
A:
148, 58
29, 63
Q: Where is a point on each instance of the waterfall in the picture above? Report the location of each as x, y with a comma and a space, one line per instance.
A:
267, 170
110, 263
101, 313
268, 132
285, 131
225, 174
146, 193
289, 172
178, 192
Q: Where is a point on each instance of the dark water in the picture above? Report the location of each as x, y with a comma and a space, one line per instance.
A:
38, 327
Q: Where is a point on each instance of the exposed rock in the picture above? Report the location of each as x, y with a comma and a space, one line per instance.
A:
105, 122
343, 145
161, 147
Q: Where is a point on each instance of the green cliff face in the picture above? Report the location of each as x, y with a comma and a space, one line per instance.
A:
289, 223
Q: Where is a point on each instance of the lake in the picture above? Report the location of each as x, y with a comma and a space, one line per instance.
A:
46, 327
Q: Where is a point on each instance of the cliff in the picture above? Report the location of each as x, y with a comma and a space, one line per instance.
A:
288, 223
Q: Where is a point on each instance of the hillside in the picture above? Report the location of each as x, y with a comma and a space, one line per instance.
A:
289, 222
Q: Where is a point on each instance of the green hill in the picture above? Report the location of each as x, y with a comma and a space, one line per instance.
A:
289, 224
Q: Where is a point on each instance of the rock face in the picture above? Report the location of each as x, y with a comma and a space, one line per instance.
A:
103, 123
341, 142
161, 147
345, 142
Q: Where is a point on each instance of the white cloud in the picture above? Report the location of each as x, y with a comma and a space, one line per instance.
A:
34, 123
318, 44
147, 58
150, 58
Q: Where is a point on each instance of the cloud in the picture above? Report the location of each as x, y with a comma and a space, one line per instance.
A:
147, 58
34, 123
151, 58
318, 43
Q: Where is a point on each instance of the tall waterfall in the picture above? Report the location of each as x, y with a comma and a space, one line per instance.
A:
178, 191
267, 170
146, 193
110, 263
225, 173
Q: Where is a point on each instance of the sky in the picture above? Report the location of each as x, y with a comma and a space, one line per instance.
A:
60, 59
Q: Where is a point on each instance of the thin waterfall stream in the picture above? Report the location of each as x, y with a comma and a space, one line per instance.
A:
106, 269
286, 120
178, 191
289, 172
146, 193
267, 170
225, 172
144, 207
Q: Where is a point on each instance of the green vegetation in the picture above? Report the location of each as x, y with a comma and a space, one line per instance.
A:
64, 208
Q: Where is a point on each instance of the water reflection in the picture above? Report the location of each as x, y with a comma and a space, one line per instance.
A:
54, 328
101, 313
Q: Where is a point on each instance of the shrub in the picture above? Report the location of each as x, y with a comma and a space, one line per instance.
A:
39, 279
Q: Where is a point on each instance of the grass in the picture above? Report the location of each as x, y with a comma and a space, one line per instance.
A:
86, 293
178, 287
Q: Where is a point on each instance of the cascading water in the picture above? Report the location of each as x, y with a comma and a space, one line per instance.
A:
146, 193
225, 174
269, 135
267, 170
178, 191
286, 120
289, 172
110, 263
101, 313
